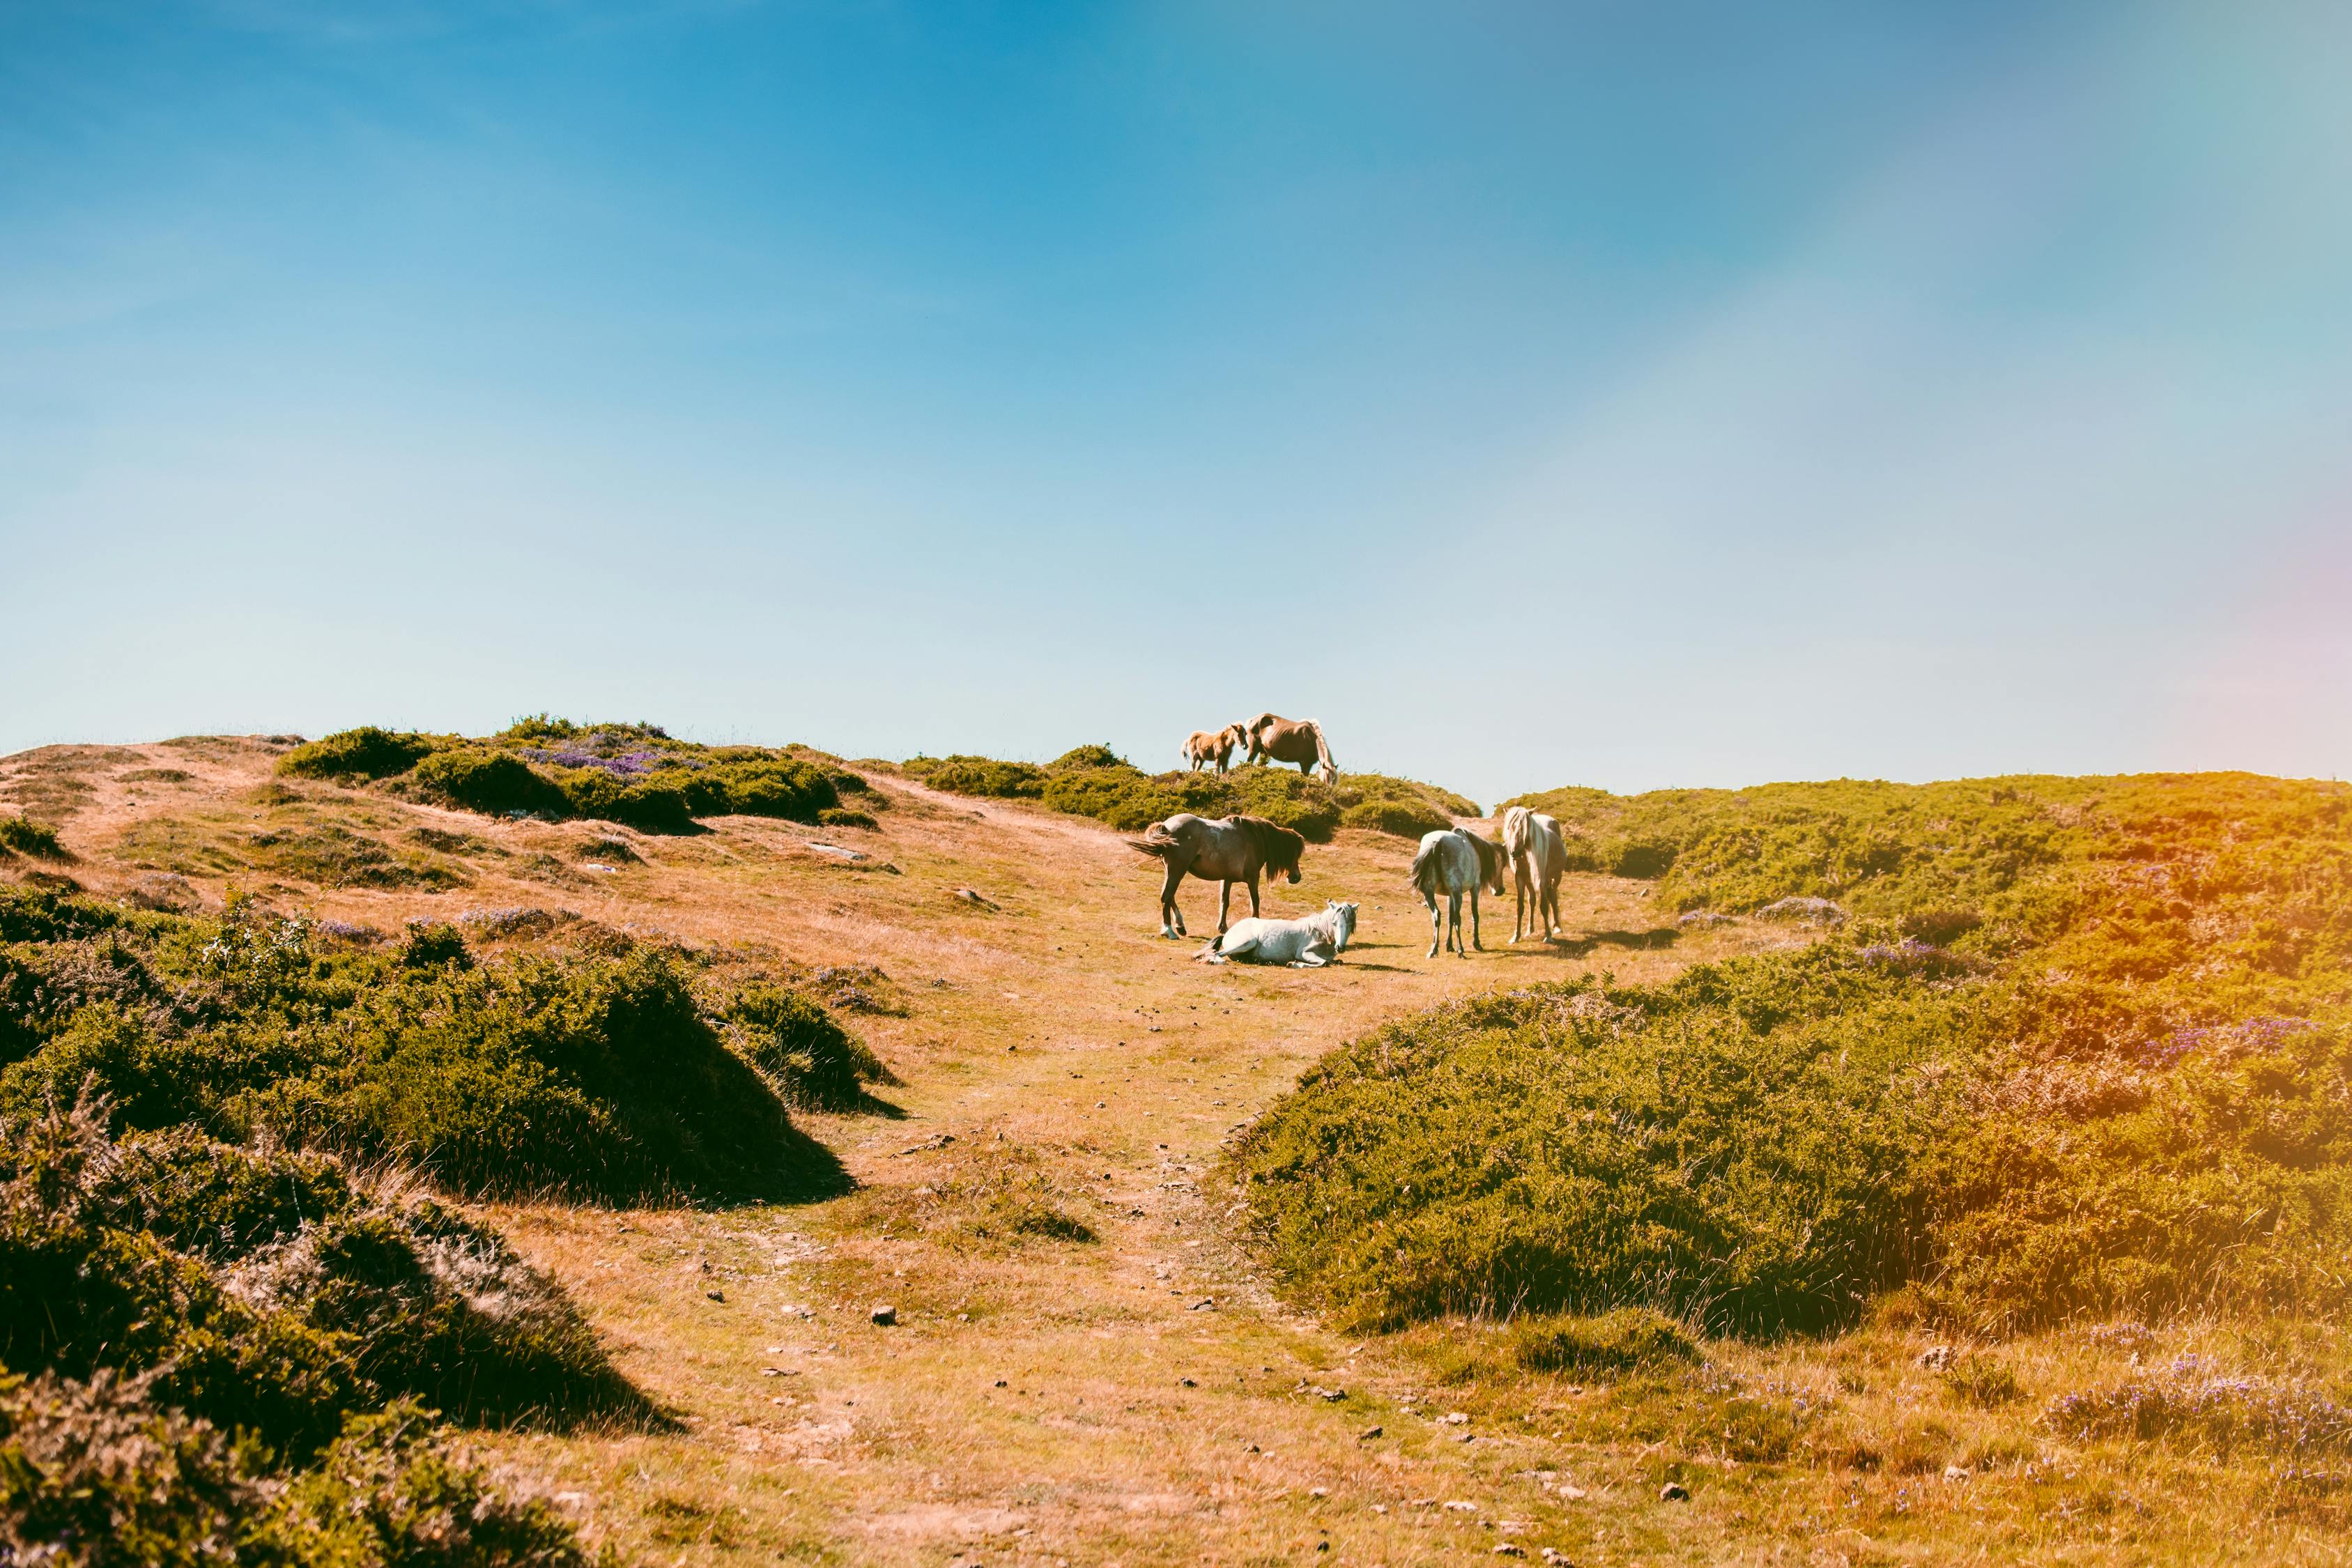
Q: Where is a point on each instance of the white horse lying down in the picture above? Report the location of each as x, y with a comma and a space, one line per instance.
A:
1309, 943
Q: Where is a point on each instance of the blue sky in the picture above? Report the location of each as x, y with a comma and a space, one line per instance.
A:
1618, 393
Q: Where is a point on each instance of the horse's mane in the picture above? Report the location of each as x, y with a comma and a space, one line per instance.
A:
1490, 856
1277, 847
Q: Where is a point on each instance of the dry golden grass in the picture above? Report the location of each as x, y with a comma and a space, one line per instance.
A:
1138, 1398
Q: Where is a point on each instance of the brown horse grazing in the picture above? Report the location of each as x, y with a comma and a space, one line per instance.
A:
1203, 748
1233, 850
1300, 740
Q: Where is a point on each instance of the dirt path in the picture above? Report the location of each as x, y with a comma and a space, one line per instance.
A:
1136, 1398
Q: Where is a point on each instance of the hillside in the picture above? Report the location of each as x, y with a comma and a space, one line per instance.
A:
1015, 1113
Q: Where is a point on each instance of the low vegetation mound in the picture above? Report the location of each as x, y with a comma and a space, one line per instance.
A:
100, 1473
22, 836
556, 770
2082, 1051
1094, 781
218, 1342
243, 1357
593, 1071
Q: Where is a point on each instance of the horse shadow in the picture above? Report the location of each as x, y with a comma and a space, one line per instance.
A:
1656, 939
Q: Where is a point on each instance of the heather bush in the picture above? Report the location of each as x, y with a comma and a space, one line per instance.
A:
366, 753
493, 782
1737, 1148
796, 791
391, 1492
2083, 1050
23, 836
982, 775
595, 1074
800, 1049
102, 1475
266, 1293
96, 1475
2192, 1404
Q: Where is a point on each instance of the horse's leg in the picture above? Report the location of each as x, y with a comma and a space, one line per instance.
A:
1474, 941
1224, 905
1519, 897
1454, 923
1436, 927
1171, 919
1253, 887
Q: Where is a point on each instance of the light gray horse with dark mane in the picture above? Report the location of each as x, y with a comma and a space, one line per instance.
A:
1235, 850
1455, 861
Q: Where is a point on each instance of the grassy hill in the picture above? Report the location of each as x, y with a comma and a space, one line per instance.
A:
1983, 1204
2074, 1051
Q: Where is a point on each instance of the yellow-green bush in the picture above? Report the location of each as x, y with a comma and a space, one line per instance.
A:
595, 1074
2088, 1050
366, 753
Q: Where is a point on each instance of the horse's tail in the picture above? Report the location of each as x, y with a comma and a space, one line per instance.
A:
1423, 859
1156, 842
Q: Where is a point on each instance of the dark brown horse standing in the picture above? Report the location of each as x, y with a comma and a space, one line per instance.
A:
1235, 850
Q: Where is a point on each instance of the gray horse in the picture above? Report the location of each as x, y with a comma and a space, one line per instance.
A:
1455, 861
1235, 850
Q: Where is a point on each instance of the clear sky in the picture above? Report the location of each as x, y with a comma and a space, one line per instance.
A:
1627, 394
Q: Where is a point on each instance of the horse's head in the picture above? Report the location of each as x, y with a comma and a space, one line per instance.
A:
1343, 923
1279, 847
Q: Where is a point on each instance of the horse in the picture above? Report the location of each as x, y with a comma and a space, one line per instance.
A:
1202, 748
1455, 861
1538, 853
1300, 740
1309, 943
1233, 850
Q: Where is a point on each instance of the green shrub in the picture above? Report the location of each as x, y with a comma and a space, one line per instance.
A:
1087, 757
99, 1473
389, 1492
433, 945
800, 1048
596, 1075
493, 782
1621, 1340
837, 817
795, 791
1738, 1147
2083, 1050
264, 1293
366, 753
26, 836
985, 776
